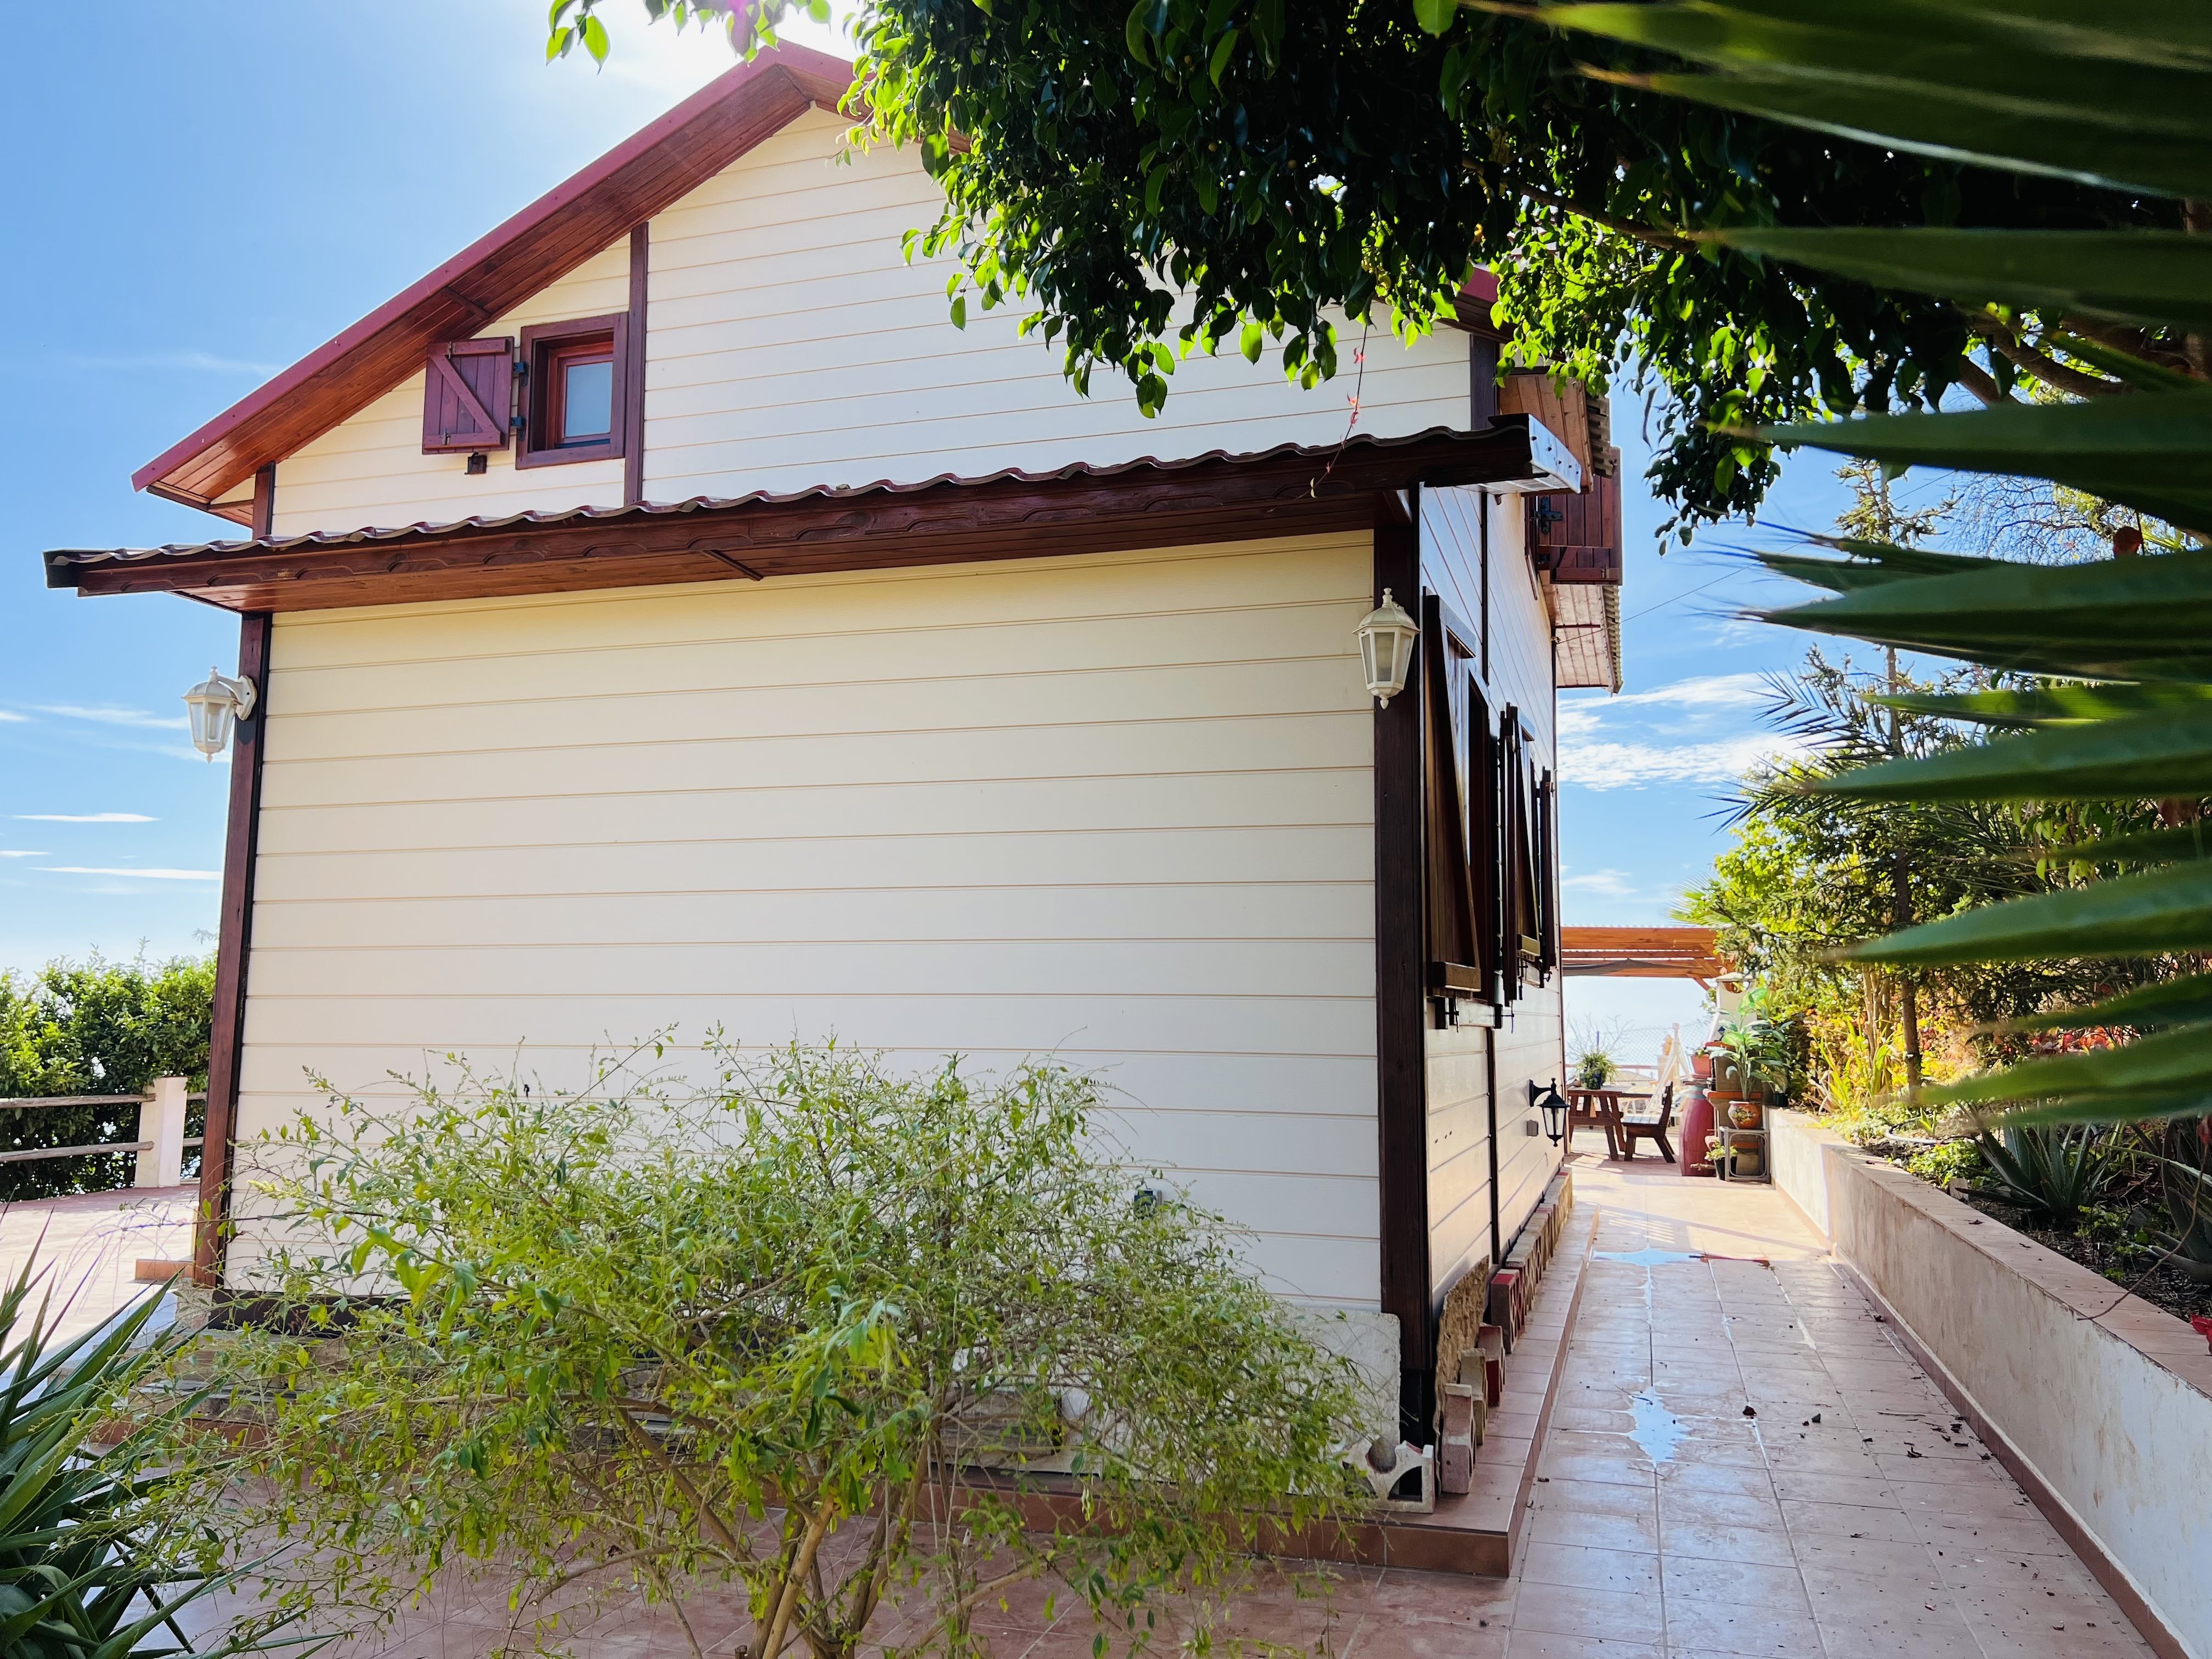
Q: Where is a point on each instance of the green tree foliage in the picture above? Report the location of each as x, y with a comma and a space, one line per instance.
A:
764, 1334
95, 1028
2124, 706
1276, 161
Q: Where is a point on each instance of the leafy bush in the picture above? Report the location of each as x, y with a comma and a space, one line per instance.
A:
2181, 1154
95, 1028
765, 1333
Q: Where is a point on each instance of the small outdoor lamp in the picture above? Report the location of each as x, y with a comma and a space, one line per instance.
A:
1386, 646
1548, 1100
215, 705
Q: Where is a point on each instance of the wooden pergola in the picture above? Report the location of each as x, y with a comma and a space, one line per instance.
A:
1642, 953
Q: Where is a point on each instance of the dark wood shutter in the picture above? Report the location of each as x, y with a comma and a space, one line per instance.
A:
1453, 954
1485, 861
467, 390
1524, 913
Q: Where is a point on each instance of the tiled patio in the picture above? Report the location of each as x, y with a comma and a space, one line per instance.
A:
1846, 1518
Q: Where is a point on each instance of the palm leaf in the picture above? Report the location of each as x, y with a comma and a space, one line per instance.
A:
2049, 704
1937, 80
2168, 753
2173, 1062
2175, 1002
2152, 451
2188, 841
2147, 914
2149, 279
2118, 620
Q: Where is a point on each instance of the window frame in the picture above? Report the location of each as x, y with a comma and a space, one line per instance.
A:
544, 345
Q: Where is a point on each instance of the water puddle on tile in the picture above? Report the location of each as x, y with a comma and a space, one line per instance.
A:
1657, 1430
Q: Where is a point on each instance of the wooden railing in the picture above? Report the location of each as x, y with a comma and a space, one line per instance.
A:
161, 1153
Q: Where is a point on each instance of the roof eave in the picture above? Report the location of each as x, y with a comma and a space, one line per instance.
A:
736, 111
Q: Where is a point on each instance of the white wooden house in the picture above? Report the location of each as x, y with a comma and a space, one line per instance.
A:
661, 614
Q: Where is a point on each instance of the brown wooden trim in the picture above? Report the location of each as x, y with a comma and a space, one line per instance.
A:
264, 500
540, 344
590, 212
234, 943
1400, 994
952, 521
633, 366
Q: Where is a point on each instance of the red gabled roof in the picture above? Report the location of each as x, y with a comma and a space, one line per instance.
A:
543, 243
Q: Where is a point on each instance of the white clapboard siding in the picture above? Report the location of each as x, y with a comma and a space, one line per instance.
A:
1117, 808
370, 469
791, 345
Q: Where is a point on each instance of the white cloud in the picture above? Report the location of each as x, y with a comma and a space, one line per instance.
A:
108, 714
21, 852
82, 817
8, 716
1575, 720
1612, 883
1706, 692
1635, 765
151, 875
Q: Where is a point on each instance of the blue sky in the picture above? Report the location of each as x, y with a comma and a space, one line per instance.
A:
199, 205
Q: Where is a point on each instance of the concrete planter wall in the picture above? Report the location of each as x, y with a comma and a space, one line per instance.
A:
2104, 1413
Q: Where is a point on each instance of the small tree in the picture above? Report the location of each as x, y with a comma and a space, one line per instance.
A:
768, 1333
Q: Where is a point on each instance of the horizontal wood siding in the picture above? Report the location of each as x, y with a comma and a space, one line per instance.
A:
1114, 807
1519, 672
791, 344
370, 470
1531, 1046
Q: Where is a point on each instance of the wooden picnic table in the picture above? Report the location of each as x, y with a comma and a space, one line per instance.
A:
1600, 1106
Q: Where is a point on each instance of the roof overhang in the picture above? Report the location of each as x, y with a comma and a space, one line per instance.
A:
655, 167
1218, 497
1642, 953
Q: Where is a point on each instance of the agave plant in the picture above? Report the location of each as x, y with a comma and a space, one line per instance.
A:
2183, 1160
2119, 96
2053, 1174
94, 1559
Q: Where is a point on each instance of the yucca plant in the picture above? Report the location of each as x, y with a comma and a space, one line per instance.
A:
2117, 96
97, 1557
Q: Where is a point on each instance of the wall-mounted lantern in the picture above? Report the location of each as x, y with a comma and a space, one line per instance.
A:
1386, 647
1548, 1100
215, 705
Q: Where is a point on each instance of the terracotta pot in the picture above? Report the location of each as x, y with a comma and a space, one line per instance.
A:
1701, 1067
1695, 1112
1745, 1113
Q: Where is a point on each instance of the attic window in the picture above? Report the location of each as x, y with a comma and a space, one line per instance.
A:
576, 390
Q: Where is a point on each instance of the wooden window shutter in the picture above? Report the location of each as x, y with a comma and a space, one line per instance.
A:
468, 387
1455, 955
1485, 860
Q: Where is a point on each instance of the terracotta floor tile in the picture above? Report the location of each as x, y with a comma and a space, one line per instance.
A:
1697, 1625
1449, 1598
1846, 1521
1895, 1561
1727, 1478
1565, 1610
1583, 1567
1546, 1644
1715, 1542
1610, 1531
1717, 1509
1820, 1488
1768, 1589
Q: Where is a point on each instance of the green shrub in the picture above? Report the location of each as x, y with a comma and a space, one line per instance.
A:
95, 1028
763, 1334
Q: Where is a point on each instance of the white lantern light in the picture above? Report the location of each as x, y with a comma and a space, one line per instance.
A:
1386, 647
214, 706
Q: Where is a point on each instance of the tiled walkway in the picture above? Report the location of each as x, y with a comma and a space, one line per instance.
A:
1845, 1517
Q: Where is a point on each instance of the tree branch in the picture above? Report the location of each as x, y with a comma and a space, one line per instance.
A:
2040, 364
1979, 381
1660, 239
